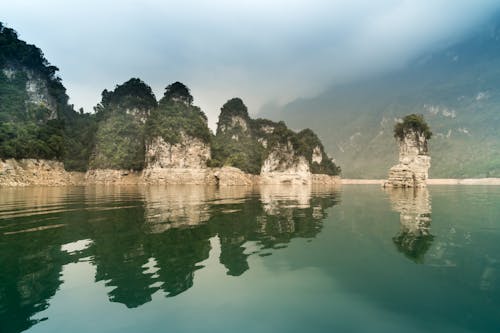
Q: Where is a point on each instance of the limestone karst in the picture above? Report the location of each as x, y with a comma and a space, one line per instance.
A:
412, 170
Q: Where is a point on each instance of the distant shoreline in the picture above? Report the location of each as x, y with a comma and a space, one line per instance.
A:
434, 181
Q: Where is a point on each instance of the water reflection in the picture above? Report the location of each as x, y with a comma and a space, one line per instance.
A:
414, 206
141, 240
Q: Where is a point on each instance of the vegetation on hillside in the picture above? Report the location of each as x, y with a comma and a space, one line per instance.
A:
245, 143
133, 94
121, 116
176, 114
48, 129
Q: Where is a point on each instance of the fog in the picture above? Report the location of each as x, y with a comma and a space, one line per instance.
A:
260, 51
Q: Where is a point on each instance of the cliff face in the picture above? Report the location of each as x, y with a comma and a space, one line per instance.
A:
284, 166
414, 162
189, 152
36, 89
184, 162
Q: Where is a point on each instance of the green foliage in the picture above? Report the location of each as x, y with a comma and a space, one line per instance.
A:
412, 123
245, 153
244, 149
173, 117
119, 143
79, 140
27, 129
28, 140
178, 92
232, 108
305, 144
133, 94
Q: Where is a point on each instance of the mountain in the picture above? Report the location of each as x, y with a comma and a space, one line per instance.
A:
457, 89
36, 120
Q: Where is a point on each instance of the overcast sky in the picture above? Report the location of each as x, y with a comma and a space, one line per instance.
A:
260, 50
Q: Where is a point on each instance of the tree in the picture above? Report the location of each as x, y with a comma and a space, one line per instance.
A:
178, 92
412, 123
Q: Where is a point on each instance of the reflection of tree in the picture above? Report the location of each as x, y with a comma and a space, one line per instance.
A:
177, 253
30, 262
119, 256
141, 246
29, 277
273, 220
414, 238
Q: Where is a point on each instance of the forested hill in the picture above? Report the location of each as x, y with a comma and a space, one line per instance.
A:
36, 120
457, 89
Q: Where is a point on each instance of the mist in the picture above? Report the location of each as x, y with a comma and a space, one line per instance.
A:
260, 51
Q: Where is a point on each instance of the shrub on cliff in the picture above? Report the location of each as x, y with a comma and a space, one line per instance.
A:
412, 123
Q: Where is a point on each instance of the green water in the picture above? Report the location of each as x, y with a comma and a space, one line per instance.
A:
274, 259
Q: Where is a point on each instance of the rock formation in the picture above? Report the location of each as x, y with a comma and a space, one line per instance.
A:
177, 141
269, 149
414, 161
284, 166
25, 172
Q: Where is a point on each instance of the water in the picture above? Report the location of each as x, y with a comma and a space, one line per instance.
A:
274, 259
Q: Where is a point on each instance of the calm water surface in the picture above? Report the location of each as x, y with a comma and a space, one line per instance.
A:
274, 259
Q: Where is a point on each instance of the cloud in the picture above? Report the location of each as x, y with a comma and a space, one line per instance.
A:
262, 51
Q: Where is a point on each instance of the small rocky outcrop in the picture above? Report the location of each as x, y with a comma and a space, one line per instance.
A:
414, 160
26, 172
230, 176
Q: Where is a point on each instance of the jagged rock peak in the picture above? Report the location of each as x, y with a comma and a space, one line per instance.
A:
234, 116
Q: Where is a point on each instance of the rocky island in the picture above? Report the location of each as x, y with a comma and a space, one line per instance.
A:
132, 138
412, 170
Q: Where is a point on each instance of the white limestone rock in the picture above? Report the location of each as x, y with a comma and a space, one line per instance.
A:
414, 163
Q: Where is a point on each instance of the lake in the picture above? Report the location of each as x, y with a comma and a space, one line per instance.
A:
356, 258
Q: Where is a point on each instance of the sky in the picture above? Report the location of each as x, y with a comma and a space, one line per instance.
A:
264, 51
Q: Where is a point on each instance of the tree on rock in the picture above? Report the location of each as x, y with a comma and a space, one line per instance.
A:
178, 92
412, 123
414, 163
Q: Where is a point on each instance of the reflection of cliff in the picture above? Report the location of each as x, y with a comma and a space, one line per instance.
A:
142, 240
280, 214
176, 206
414, 238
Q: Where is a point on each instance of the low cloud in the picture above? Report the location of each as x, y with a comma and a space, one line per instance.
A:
259, 50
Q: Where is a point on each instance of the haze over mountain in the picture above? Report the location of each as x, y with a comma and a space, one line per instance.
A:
456, 88
263, 51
